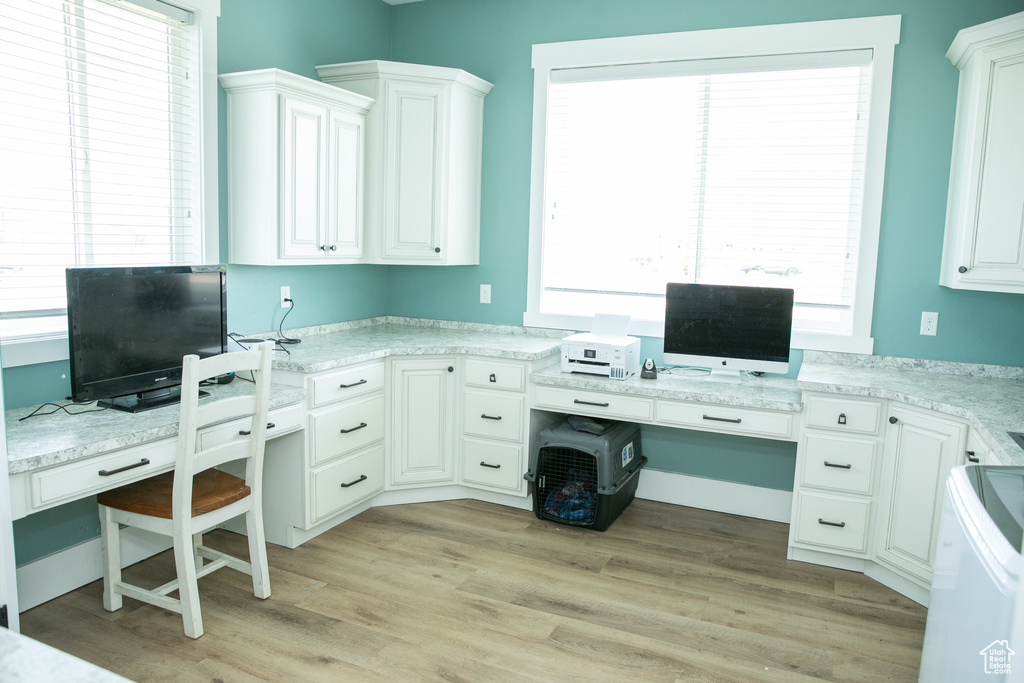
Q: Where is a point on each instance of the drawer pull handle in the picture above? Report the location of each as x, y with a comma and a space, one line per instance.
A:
733, 420
835, 464
353, 483
348, 431
354, 384
971, 457
107, 473
828, 523
487, 464
490, 417
492, 378
590, 403
247, 432
842, 418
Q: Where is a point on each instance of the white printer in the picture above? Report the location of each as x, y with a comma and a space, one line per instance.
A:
605, 350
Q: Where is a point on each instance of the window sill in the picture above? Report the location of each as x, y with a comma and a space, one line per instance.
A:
30, 351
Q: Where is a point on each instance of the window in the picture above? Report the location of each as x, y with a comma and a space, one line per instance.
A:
735, 156
102, 146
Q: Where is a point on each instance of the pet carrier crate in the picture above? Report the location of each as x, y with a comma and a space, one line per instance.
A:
585, 479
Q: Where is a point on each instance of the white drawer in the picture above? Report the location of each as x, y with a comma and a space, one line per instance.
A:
494, 415
287, 419
492, 465
347, 383
841, 464
594, 403
718, 418
840, 523
346, 428
843, 414
495, 374
347, 482
91, 475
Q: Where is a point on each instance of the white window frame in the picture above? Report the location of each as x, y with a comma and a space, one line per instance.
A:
879, 34
54, 347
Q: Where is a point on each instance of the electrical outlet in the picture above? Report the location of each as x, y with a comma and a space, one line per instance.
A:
485, 294
286, 293
929, 323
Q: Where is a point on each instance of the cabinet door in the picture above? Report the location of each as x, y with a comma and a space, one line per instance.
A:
344, 228
416, 114
422, 421
303, 175
919, 451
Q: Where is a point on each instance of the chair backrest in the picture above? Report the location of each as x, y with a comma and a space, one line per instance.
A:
194, 416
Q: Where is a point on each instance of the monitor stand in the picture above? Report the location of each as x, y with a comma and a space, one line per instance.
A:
147, 400
723, 376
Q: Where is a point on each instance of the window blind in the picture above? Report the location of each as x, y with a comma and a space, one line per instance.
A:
96, 145
745, 171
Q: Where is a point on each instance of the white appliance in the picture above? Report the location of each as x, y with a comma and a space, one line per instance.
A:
616, 357
970, 634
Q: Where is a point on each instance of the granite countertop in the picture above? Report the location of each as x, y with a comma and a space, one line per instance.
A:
989, 397
333, 346
25, 660
47, 440
769, 393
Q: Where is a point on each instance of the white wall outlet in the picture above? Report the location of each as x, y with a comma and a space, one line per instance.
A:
286, 293
485, 294
929, 323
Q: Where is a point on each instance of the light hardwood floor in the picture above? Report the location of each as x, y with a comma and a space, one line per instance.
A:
469, 591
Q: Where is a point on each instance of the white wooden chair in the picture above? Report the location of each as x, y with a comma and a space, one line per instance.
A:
194, 498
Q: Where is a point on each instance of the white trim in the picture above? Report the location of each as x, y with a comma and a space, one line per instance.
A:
712, 494
17, 352
64, 571
206, 13
880, 34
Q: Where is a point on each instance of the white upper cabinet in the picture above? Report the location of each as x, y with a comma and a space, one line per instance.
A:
984, 241
424, 139
295, 169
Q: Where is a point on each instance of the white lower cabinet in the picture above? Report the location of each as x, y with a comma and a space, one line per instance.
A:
837, 464
422, 433
340, 462
495, 425
921, 447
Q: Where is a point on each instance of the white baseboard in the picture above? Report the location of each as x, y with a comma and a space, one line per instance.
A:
711, 494
54, 575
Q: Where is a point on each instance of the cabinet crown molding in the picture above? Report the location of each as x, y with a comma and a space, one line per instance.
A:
289, 83
969, 40
336, 73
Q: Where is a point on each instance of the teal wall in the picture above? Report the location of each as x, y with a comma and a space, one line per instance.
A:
493, 38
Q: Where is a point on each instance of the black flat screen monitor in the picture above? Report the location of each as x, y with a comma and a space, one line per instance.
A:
128, 329
728, 328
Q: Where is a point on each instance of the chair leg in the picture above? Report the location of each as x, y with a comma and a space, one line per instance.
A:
188, 585
257, 553
110, 535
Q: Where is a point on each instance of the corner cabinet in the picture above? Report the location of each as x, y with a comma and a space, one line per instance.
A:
295, 158
984, 240
422, 419
424, 140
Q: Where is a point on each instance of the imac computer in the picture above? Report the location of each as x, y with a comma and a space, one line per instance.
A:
728, 329
128, 329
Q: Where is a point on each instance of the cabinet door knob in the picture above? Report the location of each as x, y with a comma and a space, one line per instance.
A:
893, 419
451, 369
962, 269
437, 250
323, 247
492, 378
971, 457
334, 247
842, 418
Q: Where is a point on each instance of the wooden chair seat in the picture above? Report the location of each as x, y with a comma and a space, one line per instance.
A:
211, 490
